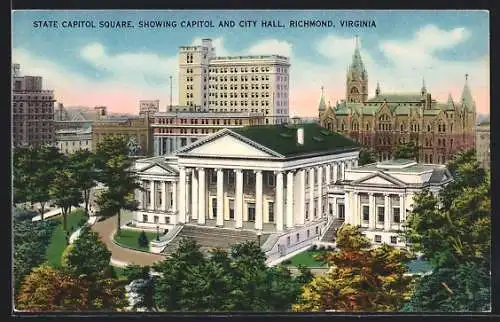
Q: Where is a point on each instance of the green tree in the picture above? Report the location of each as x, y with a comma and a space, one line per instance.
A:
48, 161
454, 227
406, 151
115, 173
65, 192
83, 164
366, 156
361, 279
234, 281
453, 231
88, 255
142, 240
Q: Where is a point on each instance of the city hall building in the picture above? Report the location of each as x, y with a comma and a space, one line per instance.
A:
282, 185
381, 122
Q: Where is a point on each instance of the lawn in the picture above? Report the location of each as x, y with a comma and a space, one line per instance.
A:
128, 238
306, 259
58, 240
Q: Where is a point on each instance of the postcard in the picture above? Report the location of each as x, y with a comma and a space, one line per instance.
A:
251, 161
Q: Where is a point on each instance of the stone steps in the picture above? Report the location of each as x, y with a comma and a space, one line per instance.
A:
209, 238
330, 234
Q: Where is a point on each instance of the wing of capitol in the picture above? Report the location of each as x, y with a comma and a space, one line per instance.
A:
286, 186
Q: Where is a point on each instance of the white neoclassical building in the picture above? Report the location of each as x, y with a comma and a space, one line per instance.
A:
269, 180
378, 196
288, 185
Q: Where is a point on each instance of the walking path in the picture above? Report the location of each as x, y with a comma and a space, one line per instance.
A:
122, 256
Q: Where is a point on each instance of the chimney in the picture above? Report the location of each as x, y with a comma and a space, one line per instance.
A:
300, 136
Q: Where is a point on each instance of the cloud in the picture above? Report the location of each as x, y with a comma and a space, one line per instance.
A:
408, 62
123, 78
271, 47
420, 50
137, 67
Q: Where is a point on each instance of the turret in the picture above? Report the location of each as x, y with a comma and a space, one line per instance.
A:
377, 91
466, 100
423, 90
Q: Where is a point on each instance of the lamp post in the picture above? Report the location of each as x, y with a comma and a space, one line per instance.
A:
157, 233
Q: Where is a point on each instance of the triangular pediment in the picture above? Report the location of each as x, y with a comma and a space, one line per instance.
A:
381, 179
227, 144
157, 169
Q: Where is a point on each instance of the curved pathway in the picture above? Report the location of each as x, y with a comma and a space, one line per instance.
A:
122, 256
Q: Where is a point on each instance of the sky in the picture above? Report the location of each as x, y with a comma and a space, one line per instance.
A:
117, 67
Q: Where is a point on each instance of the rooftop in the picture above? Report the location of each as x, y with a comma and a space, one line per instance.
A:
399, 165
283, 139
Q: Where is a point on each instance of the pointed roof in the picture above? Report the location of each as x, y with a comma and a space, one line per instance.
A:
467, 96
357, 62
377, 91
423, 89
450, 103
322, 105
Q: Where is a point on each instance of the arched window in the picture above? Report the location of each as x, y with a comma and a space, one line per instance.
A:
402, 127
367, 126
428, 127
343, 126
354, 90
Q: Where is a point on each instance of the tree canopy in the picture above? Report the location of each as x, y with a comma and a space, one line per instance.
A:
234, 281
406, 151
453, 231
361, 278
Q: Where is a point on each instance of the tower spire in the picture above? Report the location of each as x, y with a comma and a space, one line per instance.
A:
377, 90
467, 99
423, 90
322, 105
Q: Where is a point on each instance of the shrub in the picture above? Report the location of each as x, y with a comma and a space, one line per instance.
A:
142, 240
287, 262
321, 247
314, 247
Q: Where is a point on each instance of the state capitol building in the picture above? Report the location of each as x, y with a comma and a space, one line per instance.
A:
438, 129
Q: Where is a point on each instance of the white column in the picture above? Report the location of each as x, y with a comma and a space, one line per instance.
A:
279, 201
220, 197
328, 174
320, 192
239, 198
201, 196
342, 170
335, 171
372, 220
182, 194
174, 195
311, 194
402, 210
194, 194
347, 208
356, 162
387, 214
289, 199
153, 195
258, 200
164, 195
356, 212
301, 214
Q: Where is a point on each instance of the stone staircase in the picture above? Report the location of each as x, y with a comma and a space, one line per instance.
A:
329, 235
209, 237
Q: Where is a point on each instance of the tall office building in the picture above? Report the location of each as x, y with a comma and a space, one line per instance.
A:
32, 111
251, 84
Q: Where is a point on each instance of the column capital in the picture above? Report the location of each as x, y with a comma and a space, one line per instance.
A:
386, 194
257, 171
278, 172
182, 168
200, 169
218, 169
371, 193
237, 170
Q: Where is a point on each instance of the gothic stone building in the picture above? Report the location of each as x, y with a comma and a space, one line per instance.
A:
382, 122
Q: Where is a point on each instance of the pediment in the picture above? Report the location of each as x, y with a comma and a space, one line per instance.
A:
380, 179
227, 145
157, 169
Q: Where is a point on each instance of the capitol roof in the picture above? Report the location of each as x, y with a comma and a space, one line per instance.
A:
283, 139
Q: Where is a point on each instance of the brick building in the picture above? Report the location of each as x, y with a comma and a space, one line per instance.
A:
439, 129
32, 111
